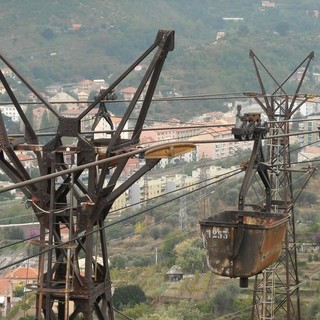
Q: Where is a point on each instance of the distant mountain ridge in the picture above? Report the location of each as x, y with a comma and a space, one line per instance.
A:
64, 41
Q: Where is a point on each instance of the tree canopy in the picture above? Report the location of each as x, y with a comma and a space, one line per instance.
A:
128, 296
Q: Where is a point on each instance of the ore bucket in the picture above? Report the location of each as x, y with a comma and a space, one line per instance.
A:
243, 243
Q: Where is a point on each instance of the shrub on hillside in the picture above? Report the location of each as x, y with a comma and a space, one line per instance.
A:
128, 296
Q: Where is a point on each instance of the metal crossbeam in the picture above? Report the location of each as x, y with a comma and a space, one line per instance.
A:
71, 212
279, 108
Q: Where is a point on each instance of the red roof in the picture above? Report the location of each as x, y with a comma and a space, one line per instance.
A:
25, 157
148, 136
22, 273
314, 150
76, 26
4, 286
38, 112
130, 90
133, 161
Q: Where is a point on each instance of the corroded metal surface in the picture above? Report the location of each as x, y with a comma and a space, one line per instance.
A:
72, 206
242, 243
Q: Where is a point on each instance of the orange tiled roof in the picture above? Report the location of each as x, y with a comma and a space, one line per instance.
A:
4, 286
22, 273
131, 90
25, 157
86, 82
314, 150
133, 161
38, 111
76, 26
148, 136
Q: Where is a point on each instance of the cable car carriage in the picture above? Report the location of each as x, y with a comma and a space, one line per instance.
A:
249, 125
241, 243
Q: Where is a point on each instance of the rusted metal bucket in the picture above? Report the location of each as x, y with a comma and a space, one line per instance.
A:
243, 243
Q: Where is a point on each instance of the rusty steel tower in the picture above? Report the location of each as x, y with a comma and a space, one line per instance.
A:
77, 184
276, 292
259, 237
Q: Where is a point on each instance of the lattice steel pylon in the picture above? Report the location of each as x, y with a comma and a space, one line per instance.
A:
75, 192
183, 208
277, 293
204, 193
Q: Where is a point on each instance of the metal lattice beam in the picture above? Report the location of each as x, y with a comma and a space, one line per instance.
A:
280, 106
71, 212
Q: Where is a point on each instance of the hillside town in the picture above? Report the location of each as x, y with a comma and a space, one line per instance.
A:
210, 132
212, 129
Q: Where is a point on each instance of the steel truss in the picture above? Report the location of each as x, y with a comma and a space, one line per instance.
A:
71, 211
277, 292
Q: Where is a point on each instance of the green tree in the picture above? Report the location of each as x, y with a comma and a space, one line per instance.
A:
231, 196
48, 33
29, 115
170, 241
314, 310
155, 233
243, 30
185, 310
223, 300
19, 290
128, 296
138, 227
11, 126
243, 304
192, 260
141, 260
45, 123
118, 262
307, 198
136, 312
14, 233
190, 256
6, 196
282, 28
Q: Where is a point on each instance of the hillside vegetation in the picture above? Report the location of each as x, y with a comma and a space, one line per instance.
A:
40, 38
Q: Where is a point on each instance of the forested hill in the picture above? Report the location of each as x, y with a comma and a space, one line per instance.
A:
52, 41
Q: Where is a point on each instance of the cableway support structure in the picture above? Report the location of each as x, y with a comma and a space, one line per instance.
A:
72, 206
276, 290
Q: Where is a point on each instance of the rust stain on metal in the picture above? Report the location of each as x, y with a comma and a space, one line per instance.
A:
243, 243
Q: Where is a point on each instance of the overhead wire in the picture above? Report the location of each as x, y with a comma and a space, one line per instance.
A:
152, 172
188, 125
303, 146
58, 245
207, 186
199, 199
108, 225
221, 176
205, 181
164, 195
181, 97
118, 311
203, 99
143, 201
130, 217
163, 99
